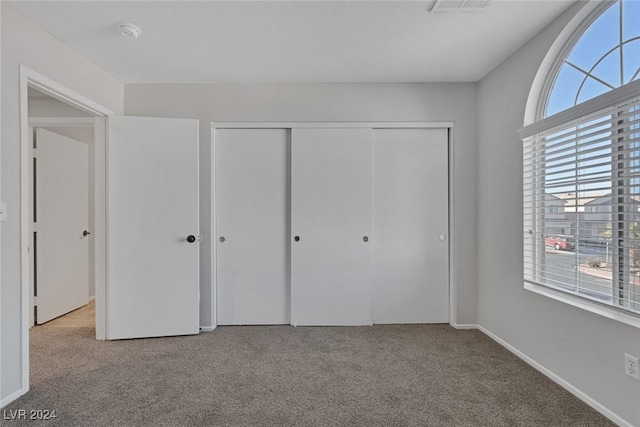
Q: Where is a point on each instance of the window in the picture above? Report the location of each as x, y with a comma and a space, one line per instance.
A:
605, 57
585, 150
554, 209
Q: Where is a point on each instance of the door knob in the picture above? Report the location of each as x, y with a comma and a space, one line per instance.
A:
365, 238
85, 233
191, 238
297, 238
222, 239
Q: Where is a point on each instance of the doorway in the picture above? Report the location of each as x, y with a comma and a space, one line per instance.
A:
150, 161
60, 208
69, 101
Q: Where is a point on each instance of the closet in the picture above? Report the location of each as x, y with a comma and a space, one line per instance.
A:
331, 225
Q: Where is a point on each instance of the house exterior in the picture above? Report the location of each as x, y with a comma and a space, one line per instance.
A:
585, 216
597, 217
557, 219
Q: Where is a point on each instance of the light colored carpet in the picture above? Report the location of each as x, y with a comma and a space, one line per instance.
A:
409, 375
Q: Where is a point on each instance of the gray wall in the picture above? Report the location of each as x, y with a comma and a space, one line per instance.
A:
330, 102
584, 349
84, 134
25, 43
45, 106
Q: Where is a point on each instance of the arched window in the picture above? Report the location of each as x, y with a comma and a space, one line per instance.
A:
605, 57
584, 154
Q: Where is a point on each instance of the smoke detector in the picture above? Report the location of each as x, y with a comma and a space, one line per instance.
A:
128, 29
459, 5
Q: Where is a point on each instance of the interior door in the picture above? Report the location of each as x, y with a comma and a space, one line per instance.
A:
152, 227
410, 225
252, 221
62, 216
331, 251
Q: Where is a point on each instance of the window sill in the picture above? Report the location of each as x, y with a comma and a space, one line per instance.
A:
593, 307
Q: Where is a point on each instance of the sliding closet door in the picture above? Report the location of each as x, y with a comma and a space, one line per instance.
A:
331, 253
252, 226
410, 226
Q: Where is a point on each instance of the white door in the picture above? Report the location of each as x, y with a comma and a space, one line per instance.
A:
62, 217
410, 226
252, 221
152, 227
331, 190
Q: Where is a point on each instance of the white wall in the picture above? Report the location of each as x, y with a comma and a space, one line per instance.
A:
25, 43
582, 348
330, 102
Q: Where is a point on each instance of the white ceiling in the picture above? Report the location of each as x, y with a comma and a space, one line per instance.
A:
293, 41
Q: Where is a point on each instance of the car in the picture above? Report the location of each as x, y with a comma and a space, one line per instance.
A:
565, 243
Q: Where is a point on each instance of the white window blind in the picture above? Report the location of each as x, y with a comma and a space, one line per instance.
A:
582, 206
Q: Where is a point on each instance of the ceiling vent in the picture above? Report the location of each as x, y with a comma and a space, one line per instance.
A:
460, 5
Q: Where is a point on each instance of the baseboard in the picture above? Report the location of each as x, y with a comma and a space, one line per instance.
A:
464, 325
10, 398
558, 380
92, 298
207, 328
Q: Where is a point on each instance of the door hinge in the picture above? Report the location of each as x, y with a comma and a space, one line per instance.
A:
35, 301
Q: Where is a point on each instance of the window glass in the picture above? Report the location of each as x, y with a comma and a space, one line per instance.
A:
565, 89
597, 40
603, 58
608, 70
591, 89
631, 60
631, 19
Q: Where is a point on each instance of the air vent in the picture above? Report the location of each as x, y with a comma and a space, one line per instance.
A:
460, 5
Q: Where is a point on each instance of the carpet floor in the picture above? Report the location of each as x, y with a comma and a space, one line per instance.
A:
407, 375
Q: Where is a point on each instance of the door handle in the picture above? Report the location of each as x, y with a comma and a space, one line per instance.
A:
191, 238
85, 233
